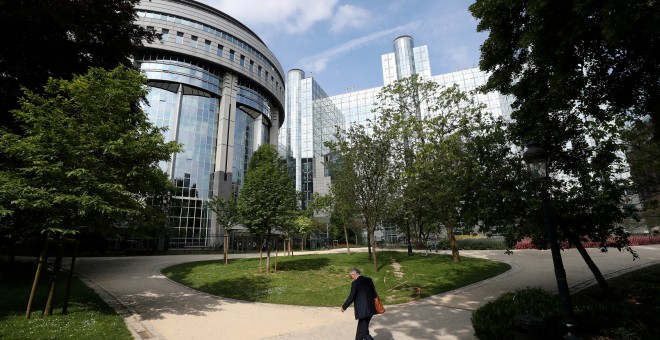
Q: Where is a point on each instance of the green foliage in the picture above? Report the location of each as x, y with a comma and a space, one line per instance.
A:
438, 134
579, 76
340, 202
644, 158
226, 210
584, 55
322, 280
86, 156
304, 225
628, 311
88, 317
61, 38
495, 319
267, 198
365, 177
482, 243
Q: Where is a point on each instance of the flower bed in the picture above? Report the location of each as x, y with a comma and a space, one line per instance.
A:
635, 240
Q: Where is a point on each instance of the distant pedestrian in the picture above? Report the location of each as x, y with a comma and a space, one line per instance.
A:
362, 296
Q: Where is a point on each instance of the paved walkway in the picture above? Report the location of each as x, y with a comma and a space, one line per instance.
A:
157, 308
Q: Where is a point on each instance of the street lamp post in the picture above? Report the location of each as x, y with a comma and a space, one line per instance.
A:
536, 159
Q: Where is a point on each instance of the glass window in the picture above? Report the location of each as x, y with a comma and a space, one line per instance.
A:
193, 41
207, 45
219, 51
179, 37
251, 66
166, 34
242, 60
231, 55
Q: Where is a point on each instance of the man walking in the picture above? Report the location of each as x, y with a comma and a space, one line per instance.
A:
362, 296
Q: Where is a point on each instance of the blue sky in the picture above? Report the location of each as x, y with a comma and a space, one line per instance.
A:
340, 41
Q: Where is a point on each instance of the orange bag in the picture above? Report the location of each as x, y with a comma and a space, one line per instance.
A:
379, 306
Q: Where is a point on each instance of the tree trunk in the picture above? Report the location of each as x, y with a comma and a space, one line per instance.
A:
48, 310
267, 252
373, 241
65, 308
452, 242
602, 283
369, 241
348, 247
40, 266
261, 270
277, 248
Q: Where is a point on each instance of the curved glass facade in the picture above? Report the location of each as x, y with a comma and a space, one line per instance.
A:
206, 28
243, 145
181, 72
255, 100
218, 106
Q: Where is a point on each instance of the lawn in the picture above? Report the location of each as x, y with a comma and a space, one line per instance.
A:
88, 318
322, 280
631, 309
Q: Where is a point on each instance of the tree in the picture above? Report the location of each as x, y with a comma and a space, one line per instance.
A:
368, 175
442, 132
580, 71
267, 200
588, 54
226, 211
304, 227
643, 154
340, 203
226, 214
60, 38
86, 155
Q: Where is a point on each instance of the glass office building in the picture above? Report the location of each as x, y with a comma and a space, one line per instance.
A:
313, 116
220, 92
311, 120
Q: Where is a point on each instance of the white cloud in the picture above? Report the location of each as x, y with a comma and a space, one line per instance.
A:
349, 16
458, 55
291, 16
319, 61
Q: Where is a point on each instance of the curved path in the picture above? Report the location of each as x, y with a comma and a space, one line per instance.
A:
156, 308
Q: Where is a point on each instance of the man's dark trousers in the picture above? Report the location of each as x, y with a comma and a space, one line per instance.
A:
363, 329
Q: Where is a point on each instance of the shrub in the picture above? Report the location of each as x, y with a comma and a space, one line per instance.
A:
473, 243
492, 243
495, 320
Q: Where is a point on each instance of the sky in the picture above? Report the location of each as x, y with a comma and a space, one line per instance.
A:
339, 42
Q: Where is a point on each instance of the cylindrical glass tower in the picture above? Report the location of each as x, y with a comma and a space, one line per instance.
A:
220, 92
404, 56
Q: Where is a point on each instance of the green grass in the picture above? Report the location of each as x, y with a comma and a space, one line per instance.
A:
630, 311
88, 318
322, 280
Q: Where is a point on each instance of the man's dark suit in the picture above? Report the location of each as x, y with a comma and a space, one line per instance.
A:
362, 296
